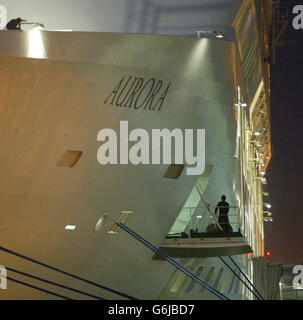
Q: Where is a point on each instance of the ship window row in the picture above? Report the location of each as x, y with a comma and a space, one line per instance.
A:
71, 157
223, 280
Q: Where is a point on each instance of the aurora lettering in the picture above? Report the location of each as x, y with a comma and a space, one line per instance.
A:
136, 93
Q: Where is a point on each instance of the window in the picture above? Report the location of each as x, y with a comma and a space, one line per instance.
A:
218, 278
193, 282
174, 171
180, 282
208, 277
69, 159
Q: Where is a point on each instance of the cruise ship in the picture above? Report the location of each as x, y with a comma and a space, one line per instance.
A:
71, 227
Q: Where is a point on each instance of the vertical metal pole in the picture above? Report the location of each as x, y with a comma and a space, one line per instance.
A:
242, 213
191, 222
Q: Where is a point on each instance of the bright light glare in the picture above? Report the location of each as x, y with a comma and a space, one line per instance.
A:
36, 47
69, 227
197, 54
63, 30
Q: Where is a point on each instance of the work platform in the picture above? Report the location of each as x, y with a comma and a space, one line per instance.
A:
202, 245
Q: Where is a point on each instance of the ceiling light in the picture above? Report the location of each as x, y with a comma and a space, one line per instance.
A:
241, 104
268, 219
218, 35
263, 180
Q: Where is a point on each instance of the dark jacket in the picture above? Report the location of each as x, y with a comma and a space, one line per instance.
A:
223, 207
13, 25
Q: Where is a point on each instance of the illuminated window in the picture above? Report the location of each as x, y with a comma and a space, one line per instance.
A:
218, 278
208, 277
232, 282
237, 285
174, 171
193, 282
224, 284
69, 159
180, 282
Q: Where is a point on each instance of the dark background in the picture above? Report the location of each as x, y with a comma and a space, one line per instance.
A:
284, 236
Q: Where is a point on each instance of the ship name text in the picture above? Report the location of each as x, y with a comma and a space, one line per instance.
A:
138, 93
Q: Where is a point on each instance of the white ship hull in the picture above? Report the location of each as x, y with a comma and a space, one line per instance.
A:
52, 97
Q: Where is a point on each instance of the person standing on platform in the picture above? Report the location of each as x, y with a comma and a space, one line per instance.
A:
223, 208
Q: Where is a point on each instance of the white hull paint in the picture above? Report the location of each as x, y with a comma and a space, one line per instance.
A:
55, 103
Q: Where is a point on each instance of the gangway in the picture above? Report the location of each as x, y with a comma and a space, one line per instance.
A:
204, 246
213, 241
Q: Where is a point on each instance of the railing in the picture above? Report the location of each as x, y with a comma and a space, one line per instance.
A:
203, 219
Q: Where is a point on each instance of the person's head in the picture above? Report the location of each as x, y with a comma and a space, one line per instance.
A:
19, 20
223, 197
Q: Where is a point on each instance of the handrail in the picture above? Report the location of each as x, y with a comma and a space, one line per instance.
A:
198, 218
199, 207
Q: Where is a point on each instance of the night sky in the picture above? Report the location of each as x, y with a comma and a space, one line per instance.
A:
284, 236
